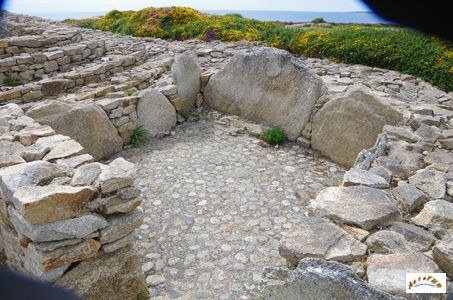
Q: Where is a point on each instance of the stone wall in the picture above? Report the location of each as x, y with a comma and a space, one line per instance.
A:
69, 81
25, 67
58, 207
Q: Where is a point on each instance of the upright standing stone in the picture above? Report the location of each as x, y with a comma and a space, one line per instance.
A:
268, 86
346, 125
186, 72
155, 113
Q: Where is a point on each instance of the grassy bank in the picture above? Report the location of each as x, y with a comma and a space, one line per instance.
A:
387, 47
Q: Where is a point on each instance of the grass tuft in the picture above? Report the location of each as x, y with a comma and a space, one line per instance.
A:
139, 136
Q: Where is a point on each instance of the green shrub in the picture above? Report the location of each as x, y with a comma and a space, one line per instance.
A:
139, 136
9, 80
389, 47
318, 20
273, 136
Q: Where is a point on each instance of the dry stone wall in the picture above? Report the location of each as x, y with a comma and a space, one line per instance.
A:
58, 206
26, 67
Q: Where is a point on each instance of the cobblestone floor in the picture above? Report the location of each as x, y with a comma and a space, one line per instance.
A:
216, 205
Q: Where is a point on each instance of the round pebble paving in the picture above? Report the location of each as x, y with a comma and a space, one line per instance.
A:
216, 205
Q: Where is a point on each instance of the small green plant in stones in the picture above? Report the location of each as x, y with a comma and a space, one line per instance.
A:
139, 136
9, 80
129, 92
273, 136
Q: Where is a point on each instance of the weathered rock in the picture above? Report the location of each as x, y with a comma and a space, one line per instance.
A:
117, 175
75, 228
400, 151
64, 149
10, 110
95, 277
387, 272
27, 174
87, 124
155, 113
401, 133
51, 246
348, 124
318, 239
49, 276
439, 159
428, 133
29, 135
118, 244
316, 279
45, 204
124, 207
366, 178
62, 256
362, 206
430, 181
86, 174
436, 215
381, 171
7, 160
366, 157
10, 147
120, 226
75, 161
447, 144
34, 152
409, 196
386, 241
255, 85
394, 167
53, 87
186, 71
358, 233
443, 255
420, 239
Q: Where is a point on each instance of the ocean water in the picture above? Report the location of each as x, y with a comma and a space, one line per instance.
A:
283, 16
307, 16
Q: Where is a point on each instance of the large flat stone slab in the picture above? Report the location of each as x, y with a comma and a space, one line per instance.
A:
48, 260
45, 204
27, 174
316, 279
358, 205
387, 272
316, 238
75, 228
365, 178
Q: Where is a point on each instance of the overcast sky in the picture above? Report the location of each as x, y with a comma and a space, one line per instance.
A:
50, 6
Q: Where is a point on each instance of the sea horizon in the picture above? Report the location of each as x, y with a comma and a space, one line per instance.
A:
364, 17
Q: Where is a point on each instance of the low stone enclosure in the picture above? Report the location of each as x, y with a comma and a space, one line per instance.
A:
69, 210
